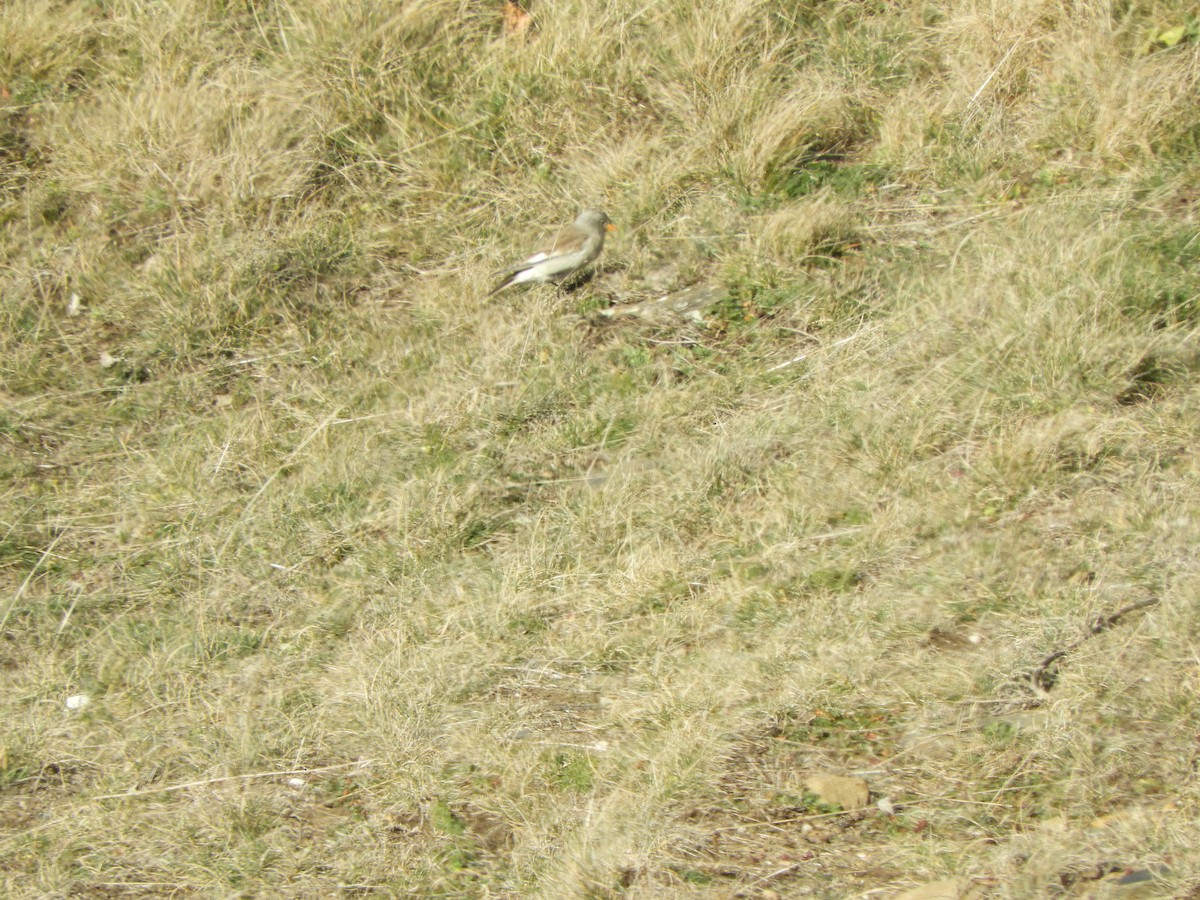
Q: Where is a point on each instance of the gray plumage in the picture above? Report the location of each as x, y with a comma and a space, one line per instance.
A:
574, 246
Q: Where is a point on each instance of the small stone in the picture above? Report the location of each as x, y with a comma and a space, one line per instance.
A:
1137, 876
1137, 883
74, 305
153, 263
296, 783
78, 701
886, 806
840, 790
946, 889
107, 360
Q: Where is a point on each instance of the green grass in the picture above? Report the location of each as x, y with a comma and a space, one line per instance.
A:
376, 587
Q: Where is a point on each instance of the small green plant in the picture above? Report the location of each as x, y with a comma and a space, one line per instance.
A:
571, 771
443, 819
1000, 732
694, 876
1172, 36
833, 580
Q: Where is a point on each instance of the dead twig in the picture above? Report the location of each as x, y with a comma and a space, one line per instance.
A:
1046, 674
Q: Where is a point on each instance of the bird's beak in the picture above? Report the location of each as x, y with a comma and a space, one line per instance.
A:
609, 226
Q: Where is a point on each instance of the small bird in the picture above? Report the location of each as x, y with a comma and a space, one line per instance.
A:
575, 246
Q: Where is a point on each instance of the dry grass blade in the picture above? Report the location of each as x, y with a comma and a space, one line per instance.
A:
885, 382
250, 776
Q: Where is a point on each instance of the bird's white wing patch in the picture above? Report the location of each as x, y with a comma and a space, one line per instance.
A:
536, 258
530, 274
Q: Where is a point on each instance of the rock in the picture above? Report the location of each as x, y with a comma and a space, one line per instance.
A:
840, 790
946, 889
1139, 883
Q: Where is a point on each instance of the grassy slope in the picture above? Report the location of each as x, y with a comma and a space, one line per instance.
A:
573, 609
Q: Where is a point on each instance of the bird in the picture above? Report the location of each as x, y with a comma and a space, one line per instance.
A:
573, 247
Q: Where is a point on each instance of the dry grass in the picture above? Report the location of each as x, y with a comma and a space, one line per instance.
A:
378, 588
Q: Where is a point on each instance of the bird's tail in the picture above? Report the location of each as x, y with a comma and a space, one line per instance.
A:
506, 282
